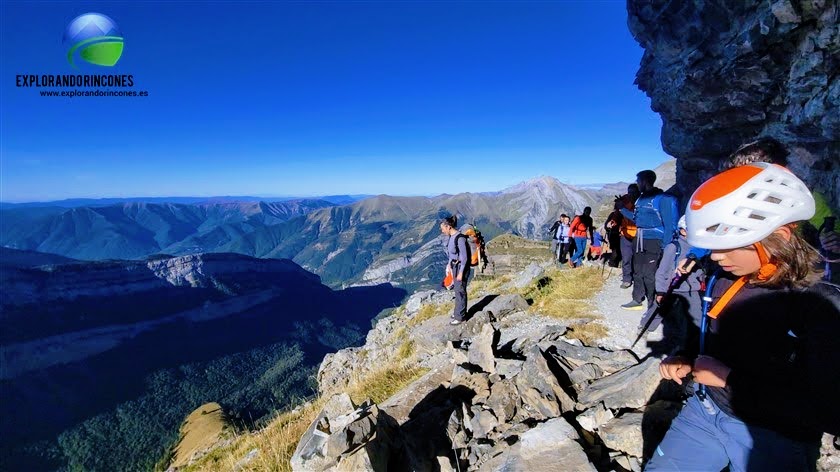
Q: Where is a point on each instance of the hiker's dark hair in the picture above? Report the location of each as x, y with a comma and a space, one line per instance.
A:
451, 221
765, 149
563, 215
633, 186
648, 176
587, 210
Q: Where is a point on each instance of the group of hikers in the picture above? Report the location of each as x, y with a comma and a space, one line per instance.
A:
570, 236
760, 364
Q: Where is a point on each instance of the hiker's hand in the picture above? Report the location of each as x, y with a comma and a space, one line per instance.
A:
674, 368
683, 268
710, 371
460, 277
659, 299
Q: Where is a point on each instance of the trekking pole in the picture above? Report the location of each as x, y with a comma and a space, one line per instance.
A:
704, 327
675, 282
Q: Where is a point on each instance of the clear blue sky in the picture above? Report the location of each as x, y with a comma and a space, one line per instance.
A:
271, 98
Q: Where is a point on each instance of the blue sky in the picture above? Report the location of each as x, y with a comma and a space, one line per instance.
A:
271, 98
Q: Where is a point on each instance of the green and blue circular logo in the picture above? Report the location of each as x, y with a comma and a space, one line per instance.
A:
95, 38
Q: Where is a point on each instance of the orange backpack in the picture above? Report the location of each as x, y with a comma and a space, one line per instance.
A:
479, 253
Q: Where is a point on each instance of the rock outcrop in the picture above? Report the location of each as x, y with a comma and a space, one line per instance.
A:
722, 73
505, 391
347, 437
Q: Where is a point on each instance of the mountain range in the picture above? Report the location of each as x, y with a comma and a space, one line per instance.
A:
377, 239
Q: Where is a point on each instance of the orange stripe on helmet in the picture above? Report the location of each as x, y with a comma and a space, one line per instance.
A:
722, 184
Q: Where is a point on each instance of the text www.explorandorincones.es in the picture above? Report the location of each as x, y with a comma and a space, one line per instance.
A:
94, 93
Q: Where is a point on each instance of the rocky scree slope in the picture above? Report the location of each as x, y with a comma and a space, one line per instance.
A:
507, 390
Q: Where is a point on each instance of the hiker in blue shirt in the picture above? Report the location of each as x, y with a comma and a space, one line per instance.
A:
656, 217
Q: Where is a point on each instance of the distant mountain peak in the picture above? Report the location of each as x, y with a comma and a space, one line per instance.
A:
543, 182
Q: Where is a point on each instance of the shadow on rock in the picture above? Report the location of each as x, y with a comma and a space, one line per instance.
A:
426, 442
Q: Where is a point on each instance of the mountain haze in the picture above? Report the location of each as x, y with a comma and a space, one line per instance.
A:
377, 239
136, 230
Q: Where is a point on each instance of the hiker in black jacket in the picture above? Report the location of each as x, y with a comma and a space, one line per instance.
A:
765, 367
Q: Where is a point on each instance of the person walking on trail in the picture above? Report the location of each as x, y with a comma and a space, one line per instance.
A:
579, 228
596, 247
613, 238
559, 235
627, 230
655, 217
765, 369
458, 265
562, 253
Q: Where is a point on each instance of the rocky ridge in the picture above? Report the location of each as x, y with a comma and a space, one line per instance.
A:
506, 390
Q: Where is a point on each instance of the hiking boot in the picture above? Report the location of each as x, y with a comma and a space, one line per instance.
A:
455, 322
626, 284
633, 305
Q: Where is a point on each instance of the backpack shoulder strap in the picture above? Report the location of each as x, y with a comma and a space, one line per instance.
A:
460, 235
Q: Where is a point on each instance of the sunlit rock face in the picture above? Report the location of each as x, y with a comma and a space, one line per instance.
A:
721, 73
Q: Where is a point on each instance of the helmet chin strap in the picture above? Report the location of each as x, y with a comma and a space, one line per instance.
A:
767, 268
764, 273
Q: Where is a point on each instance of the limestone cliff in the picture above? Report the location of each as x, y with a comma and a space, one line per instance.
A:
721, 73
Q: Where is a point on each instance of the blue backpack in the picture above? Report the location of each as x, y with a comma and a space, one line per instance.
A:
648, 216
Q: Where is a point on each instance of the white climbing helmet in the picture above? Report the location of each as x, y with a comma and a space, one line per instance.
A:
744, 205
681, 223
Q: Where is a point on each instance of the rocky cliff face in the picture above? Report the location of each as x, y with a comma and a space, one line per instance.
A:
722, 73
229, 274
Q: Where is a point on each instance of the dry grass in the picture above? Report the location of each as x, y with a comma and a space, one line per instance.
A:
202, 428
565, 294
277, 441
588, 333
486, 285
429, 311
405, 350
